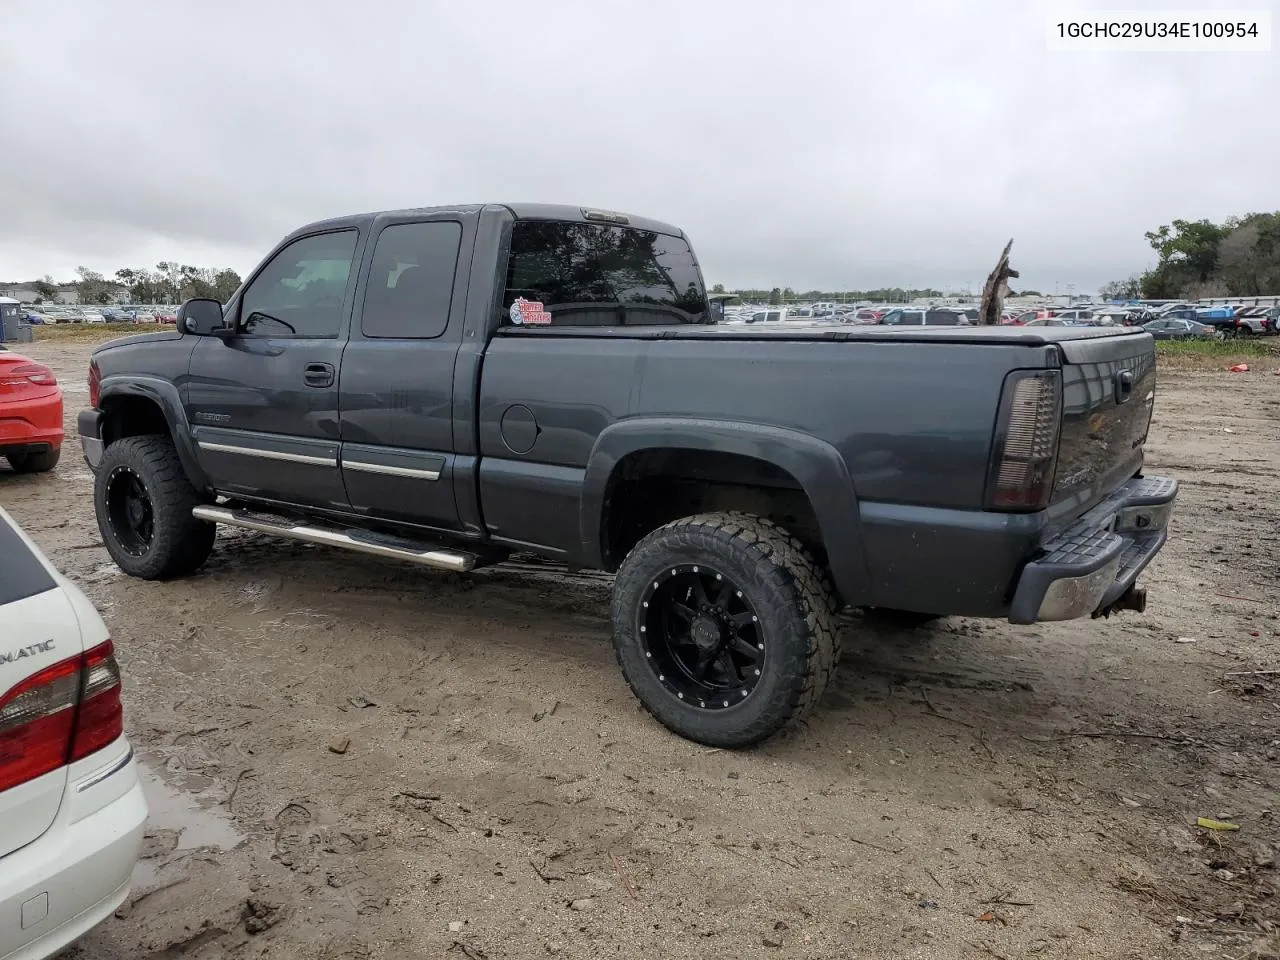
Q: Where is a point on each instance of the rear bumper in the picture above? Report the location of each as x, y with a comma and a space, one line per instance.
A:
1092, 565
89, 426
76, 875
32, 424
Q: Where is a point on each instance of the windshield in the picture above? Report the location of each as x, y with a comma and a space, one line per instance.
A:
587, 274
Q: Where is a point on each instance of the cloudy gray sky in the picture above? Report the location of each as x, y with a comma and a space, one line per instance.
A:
815, 143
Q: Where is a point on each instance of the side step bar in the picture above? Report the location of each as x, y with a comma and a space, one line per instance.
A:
452, 560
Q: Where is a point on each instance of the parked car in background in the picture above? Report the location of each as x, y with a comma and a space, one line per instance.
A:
1256, 321
1222, 318
773, 315
92, 316
1123, 314
73, 809
166, 315
36, 318
30, 426
1178, 328
932, 317
1077, 314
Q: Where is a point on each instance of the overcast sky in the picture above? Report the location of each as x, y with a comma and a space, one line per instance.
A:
825, 144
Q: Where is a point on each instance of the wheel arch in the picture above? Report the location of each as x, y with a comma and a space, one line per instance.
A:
140, 406
773, 458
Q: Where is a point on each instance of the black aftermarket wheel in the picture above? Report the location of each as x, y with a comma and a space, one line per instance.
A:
143, 502
724, 627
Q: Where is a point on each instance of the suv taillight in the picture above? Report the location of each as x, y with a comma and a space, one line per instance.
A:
95, 383
60, 715
1025, 448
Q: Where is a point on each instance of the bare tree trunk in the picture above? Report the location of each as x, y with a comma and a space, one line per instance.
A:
995, 290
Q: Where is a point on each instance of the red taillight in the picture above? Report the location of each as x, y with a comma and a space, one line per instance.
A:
25, 374
59, 715
101, 716
1025, 450
95, 383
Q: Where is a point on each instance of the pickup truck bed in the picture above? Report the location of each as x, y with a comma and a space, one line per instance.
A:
550, 380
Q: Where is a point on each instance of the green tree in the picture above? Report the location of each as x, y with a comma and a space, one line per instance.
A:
1188, 251
775, 297
227, 282
45, 288
718, 288
1122, 289
92, 287
1249, 256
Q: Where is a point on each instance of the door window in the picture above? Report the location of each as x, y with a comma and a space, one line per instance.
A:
300, 293
411, 280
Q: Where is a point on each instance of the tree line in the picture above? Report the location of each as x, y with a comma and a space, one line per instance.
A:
1199, 259
169, 282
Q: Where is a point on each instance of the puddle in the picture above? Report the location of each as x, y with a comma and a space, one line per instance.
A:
196, 826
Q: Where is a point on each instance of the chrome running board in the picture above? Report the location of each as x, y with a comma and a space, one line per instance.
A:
361, 541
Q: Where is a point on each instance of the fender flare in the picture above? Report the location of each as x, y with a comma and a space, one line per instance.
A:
164, 395
815, 464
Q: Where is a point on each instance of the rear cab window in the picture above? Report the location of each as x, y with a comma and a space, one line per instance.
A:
562, 273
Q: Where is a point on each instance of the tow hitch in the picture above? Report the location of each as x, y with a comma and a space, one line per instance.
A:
1135, 599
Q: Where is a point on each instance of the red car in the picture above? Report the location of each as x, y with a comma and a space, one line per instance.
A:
30, 414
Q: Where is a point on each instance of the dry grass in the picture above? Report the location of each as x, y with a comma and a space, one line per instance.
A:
93, 333
1190, 355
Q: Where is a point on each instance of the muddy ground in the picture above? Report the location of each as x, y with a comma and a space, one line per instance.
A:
972, 790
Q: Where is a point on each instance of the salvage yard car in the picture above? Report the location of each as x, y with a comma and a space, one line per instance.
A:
72, 813
30, 414
450, 385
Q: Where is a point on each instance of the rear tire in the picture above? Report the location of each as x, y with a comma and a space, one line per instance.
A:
143, 502
725, 628
38, 462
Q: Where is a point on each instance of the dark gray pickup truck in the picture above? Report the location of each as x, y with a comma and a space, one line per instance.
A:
450, 385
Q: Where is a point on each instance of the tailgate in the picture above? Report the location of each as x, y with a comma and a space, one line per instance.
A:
1108, 395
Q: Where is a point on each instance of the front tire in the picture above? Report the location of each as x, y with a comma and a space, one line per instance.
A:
725, 628
143, 502
34, 462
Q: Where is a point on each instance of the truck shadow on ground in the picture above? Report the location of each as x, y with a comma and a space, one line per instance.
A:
536, 611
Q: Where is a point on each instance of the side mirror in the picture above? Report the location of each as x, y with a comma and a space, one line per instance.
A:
201, 317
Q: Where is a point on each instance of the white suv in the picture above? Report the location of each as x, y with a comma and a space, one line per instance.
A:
72, 814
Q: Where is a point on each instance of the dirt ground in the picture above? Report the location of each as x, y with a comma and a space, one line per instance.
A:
971, 790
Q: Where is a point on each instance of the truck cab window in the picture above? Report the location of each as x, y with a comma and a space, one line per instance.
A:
411, 280
587, 274
301, 291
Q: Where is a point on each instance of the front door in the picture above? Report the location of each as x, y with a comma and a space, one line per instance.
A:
398, 460
263, 403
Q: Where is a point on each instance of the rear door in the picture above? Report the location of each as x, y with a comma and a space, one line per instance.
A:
396, 393
263, 404
38, 628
